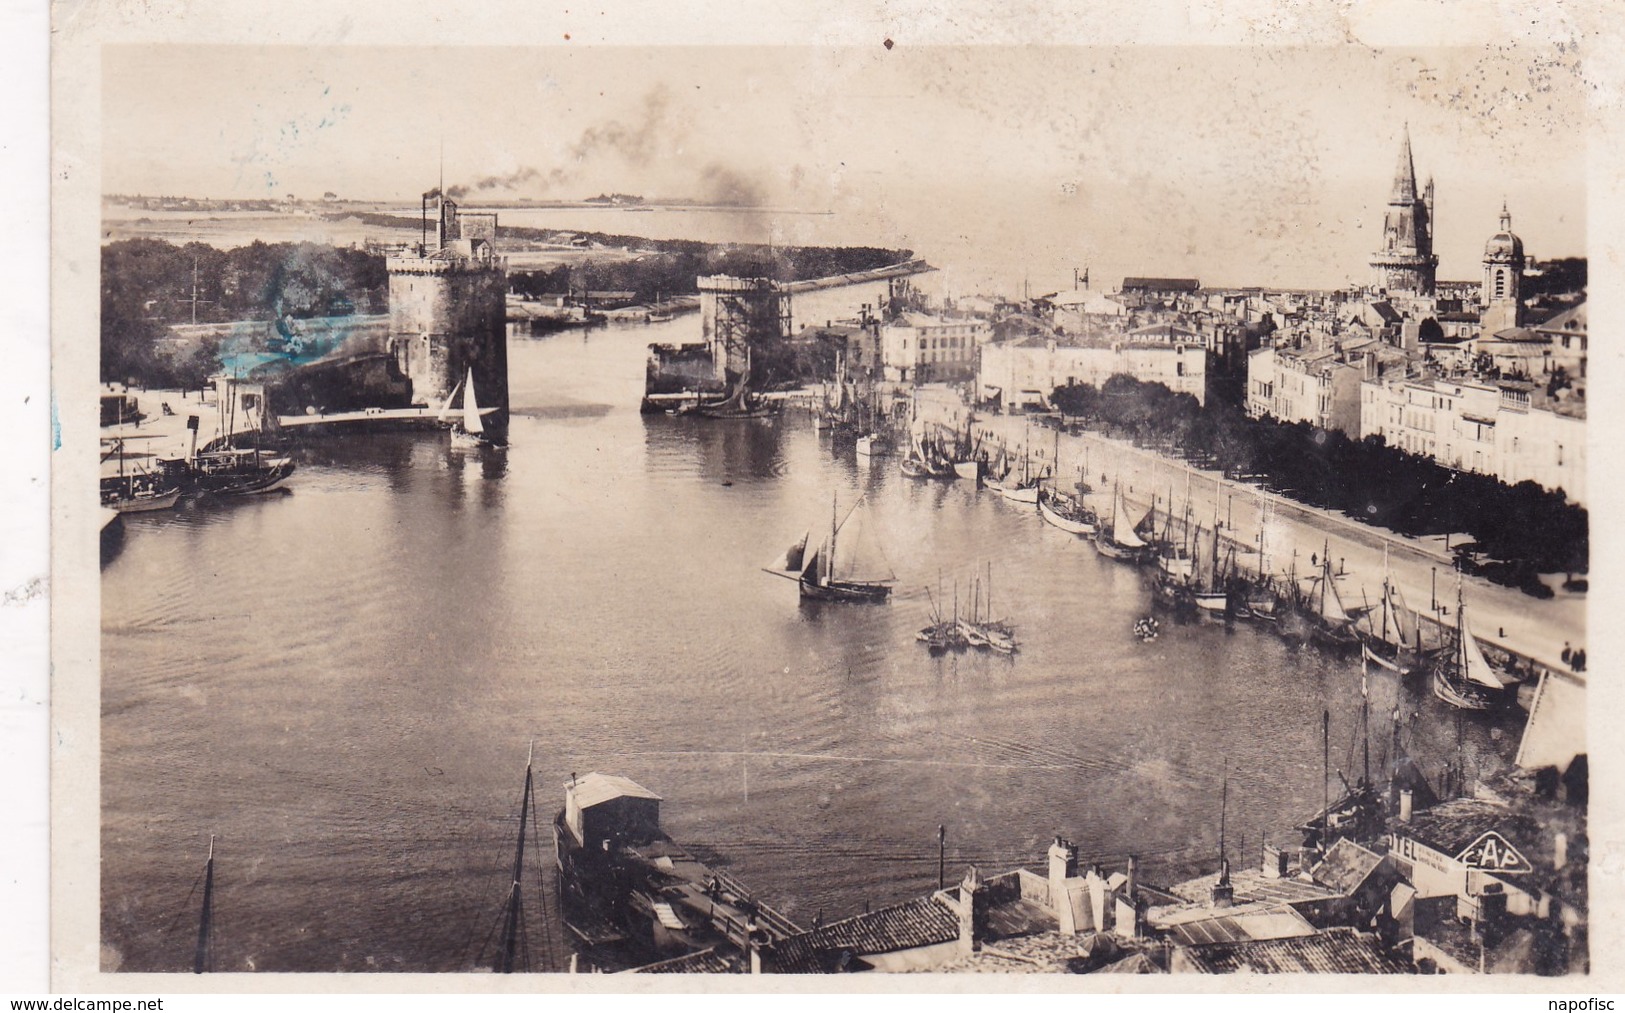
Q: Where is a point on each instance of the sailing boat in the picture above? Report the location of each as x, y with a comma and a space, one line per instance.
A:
468, 431
1333, 626
1062, 510
1385, 641
1023, 491
1119, 540
837, 569
1210, 593
740, 402
1462, 677
658, 314
513, 910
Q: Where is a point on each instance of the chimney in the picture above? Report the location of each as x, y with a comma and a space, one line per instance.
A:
1404, 805
1063, 865
1223, 893
1560, 851
1097, 898
1275, 862
973, 910
1133, 878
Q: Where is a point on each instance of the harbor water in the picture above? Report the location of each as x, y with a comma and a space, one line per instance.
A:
341, 684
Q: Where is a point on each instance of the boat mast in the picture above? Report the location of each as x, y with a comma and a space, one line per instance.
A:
201, 961
510, 931
1365, 721
1325, 777
834, 528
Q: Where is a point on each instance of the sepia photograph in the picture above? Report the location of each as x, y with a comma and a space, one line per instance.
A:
830, 509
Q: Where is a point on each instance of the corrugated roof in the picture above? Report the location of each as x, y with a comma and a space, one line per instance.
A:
1450, 826
1345, 867
924, 921
595, 789
1334, 951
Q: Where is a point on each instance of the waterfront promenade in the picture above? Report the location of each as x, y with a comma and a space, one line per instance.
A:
1292, 532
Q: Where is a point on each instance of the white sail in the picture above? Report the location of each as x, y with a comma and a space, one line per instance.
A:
445, 409
1474, 666
794, 557
1122, 531
471, 408
1331, 606
854, 558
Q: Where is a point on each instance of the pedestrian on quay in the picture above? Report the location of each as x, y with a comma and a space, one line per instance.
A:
1568, 652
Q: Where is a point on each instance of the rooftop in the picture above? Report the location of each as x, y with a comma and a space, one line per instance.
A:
1251, 885
595, 789
707, 961
1346, 866
1161, 284
1334, 951
1450, 827
924, 921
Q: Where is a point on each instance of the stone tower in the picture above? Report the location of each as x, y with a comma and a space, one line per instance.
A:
1406, 262
448, 311
1502, 299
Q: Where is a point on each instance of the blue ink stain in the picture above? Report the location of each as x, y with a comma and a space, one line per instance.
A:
56, 425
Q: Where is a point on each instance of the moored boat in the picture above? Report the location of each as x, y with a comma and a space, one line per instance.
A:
1463, 677
1067, 513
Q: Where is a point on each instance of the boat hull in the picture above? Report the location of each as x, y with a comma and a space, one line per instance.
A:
1123, 553
846, 591
138, 504
1067, 524
971, 470
265, 479
1460, 697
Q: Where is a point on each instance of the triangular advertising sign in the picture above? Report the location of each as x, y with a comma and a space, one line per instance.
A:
1492, 853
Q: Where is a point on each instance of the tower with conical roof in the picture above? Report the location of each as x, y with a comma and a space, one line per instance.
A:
1406, 263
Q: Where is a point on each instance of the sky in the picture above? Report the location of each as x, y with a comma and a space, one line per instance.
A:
1238, 165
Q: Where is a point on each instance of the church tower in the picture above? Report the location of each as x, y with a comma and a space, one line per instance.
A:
1406, 262
1502, 296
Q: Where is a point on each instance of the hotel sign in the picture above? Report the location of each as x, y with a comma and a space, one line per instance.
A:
1492, 853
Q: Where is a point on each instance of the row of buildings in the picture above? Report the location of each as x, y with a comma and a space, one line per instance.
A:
1488, 385
1387, 880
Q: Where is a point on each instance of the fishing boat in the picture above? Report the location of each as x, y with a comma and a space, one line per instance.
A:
740, 403
1384, 640
136, 490
1210, 592
980, 629
1462, 676
1119, 540
238, 471
1023, 490
969, 469
658, 313
1333, 626
1067, 513
925, 459
873, 445
839, 569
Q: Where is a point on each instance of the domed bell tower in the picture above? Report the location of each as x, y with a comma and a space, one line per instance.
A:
1502, 297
